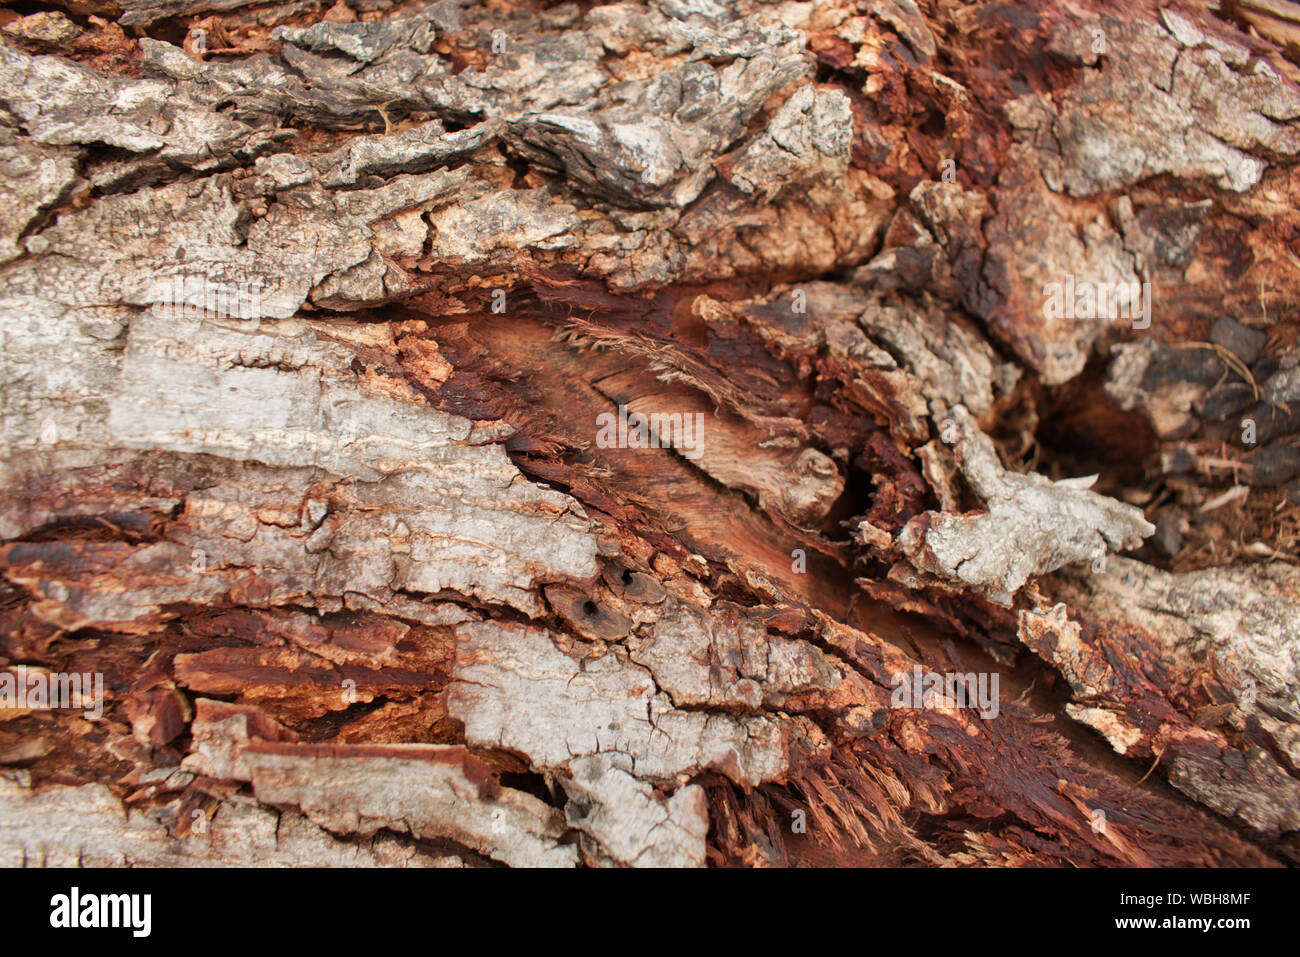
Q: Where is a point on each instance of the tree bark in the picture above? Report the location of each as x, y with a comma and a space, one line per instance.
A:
555, 435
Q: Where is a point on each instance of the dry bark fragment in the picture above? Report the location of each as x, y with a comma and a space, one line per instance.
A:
1197, 668
1032, 525
424, 790
87, 826
514, 689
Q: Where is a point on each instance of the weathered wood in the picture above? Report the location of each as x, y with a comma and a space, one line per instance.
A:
318, 332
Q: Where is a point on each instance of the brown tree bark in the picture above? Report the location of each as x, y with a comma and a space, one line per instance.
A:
960, 336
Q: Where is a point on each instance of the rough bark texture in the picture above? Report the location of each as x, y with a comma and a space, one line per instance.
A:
312, 318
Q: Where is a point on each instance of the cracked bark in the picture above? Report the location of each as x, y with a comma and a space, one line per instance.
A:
308, 322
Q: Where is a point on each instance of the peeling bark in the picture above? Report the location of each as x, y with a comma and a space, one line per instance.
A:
310, 324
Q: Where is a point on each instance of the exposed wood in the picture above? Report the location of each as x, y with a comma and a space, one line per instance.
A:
612, 434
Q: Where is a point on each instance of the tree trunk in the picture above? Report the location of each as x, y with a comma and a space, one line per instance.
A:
672, 433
